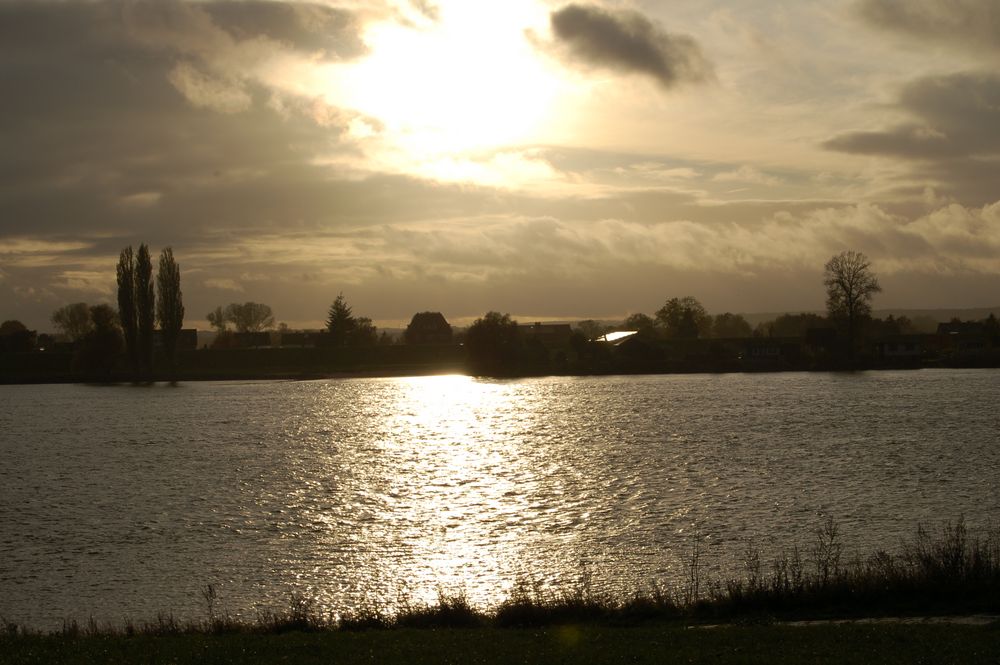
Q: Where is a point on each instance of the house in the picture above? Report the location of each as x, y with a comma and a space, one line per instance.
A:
252, 340
549, 334
428, 328
771, 351
901, 347
967, 338
302, 339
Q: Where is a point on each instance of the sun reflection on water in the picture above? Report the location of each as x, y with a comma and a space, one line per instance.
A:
449, 477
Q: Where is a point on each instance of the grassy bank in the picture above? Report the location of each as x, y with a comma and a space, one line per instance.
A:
650, 643
946, 572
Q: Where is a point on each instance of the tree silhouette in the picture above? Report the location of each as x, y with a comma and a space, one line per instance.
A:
728, 325
643, 324
850, 285
249, 316
217, 319
126, 305
99, 347
73, 320
364, 333
684, 318
145, 307
15, 337
169, 303
493, 344
340, 321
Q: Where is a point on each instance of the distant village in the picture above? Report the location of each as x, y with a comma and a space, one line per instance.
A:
429, 344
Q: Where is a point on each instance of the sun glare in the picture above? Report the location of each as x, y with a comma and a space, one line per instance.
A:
471, 81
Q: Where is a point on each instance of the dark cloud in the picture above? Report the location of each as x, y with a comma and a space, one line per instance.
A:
305, 26
629, 42
952, 140
968, 24
955, 116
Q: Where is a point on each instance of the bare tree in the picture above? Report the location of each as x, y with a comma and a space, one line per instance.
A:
249, 316
850, 285
217, 319
73, 320
169, 303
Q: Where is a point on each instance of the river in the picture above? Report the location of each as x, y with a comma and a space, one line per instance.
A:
126, 501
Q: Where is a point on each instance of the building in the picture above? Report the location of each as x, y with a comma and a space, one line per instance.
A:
428, 328
549, 334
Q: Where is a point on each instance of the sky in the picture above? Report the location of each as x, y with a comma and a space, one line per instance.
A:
547, 159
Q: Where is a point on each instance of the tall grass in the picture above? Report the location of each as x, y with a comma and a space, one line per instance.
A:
948, 572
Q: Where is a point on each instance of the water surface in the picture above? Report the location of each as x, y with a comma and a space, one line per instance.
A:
127, 501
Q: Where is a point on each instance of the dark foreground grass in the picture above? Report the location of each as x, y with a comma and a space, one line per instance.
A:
577, 644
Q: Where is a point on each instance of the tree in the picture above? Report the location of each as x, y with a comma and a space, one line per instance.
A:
643, 324
791, 325
684, 318
591, 329
992, 327
340, 321
169, 303
217, 319
249, 316
100, 347
850, 285
15, 337
729, 326
126, 304
145, 307
493, 344
364, 333
73, 320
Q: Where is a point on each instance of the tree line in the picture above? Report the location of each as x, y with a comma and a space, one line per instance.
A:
101, 333
494, 342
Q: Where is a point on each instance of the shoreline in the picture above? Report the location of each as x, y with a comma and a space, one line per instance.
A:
389, 373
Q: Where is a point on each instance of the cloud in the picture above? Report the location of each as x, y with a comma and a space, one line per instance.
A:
949, 139
627, 41
206, 91
223, 284
956, 115
966, 24
310, 27
747, 174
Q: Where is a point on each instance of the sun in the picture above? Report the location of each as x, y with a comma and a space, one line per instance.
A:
472, 80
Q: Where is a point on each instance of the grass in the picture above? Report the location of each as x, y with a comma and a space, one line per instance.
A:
947, 573
648, 643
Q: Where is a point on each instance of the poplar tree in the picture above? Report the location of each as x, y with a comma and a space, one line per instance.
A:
144, 307
169, 303
126, 305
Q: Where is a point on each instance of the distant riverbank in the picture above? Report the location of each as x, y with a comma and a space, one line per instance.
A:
400, 361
